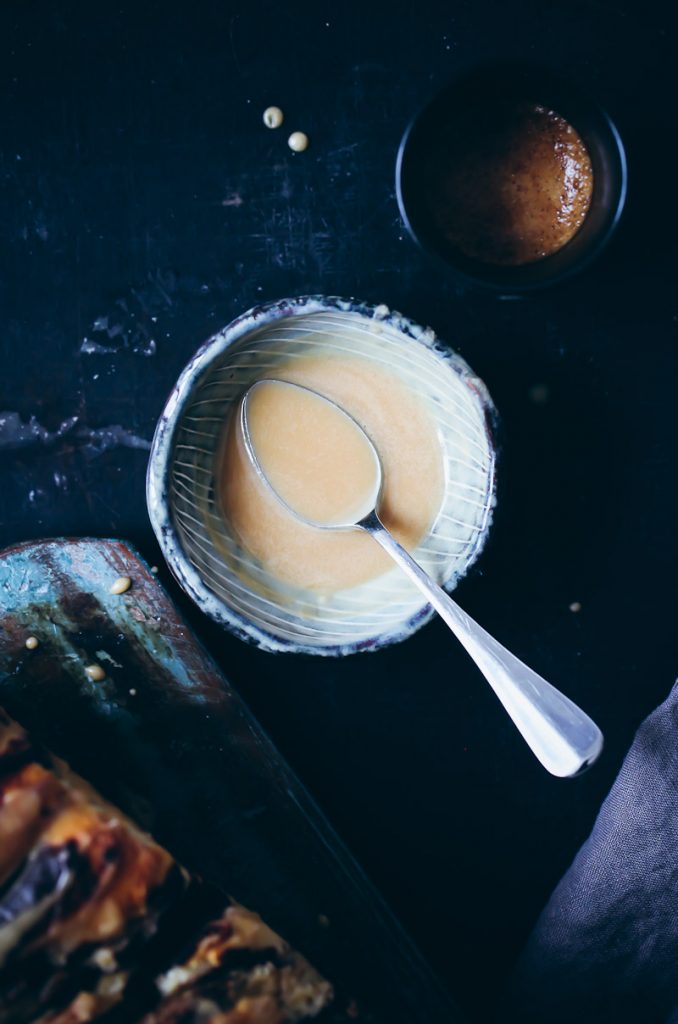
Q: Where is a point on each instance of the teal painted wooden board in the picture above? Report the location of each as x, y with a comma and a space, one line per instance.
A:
166, 738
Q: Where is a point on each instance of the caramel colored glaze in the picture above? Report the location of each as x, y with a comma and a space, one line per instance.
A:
29, 799
87, 891
317, 460
405, 437
512, 185
270, 993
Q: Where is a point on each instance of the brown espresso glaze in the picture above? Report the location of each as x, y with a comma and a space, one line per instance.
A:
511, 183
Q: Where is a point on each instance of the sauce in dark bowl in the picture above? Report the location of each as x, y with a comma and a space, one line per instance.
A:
511, 177
511, 183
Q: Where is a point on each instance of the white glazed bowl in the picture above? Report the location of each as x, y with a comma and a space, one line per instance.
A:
204, 555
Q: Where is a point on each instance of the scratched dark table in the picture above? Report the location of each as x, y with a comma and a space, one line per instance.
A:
143, 205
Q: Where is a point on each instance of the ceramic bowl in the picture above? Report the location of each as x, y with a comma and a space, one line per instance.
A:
422, 147
204, 555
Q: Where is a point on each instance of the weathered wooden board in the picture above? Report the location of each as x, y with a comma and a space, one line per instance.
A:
167, 739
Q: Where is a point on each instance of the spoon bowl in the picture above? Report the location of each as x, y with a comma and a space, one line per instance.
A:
339, 515
563, 738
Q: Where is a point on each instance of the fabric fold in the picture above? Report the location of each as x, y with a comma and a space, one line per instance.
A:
605, 948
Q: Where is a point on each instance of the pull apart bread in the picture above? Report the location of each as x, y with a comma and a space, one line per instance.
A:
95, 918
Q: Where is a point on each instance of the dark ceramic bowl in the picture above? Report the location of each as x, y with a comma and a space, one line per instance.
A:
421, 147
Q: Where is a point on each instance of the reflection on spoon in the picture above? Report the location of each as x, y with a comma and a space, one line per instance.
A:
324, 469
315, 457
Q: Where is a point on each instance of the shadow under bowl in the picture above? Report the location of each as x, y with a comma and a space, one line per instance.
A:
198, 542
422, 147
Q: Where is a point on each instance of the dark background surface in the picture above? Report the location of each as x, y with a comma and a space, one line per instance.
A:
143, 205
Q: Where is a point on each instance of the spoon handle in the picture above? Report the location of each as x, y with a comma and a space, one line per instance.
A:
560, 734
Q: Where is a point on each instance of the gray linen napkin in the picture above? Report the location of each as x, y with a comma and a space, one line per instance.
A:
606, 946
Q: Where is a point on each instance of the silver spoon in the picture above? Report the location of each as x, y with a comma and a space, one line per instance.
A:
560, 734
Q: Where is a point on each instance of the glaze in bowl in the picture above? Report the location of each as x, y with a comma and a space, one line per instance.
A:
203, 553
